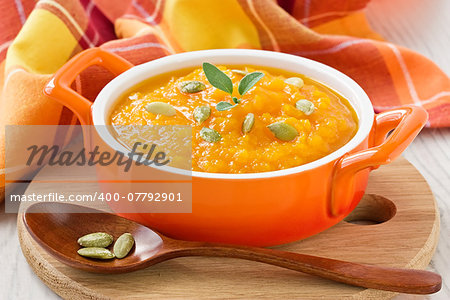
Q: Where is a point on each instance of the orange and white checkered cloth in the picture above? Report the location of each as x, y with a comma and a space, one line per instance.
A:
38, 38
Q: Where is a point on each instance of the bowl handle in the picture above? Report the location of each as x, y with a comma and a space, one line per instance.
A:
405, 122
59, 87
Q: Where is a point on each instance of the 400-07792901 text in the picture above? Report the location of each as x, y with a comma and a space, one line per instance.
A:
99, 196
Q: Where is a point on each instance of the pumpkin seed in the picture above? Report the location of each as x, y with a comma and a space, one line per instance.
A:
202, 113
306, 106
210, 135
191, 86
97, 239
123, 245
248, 123
96, 252
298, 82
283, 131
240, 72
161, 108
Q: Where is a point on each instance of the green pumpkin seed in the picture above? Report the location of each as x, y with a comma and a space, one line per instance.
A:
210, 135
123, 245
248, 123
202, 113
96, 252
161, 108
97, 239
306, 106
191, 86
240, 72
283, 131
298, 82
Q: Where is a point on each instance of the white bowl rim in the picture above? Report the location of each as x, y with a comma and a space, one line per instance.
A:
324, 74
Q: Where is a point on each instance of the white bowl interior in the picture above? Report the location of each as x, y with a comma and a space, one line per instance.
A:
339, 82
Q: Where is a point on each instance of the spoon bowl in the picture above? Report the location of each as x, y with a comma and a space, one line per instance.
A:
57, 227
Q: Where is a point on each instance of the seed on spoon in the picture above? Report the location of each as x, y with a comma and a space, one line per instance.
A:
97, 239
123, 245
96, 252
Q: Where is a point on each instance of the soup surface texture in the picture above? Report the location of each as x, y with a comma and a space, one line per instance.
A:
323, 123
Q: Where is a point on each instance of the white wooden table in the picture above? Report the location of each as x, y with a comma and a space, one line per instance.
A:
420, 25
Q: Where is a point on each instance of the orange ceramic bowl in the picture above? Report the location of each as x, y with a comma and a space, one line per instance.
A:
260, 209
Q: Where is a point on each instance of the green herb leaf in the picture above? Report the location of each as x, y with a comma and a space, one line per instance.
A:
236, 100
217, 78
223, 105
249, 81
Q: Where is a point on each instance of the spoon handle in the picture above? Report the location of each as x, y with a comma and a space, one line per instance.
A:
367, 276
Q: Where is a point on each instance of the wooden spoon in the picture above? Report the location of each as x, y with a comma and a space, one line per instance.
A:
57, 226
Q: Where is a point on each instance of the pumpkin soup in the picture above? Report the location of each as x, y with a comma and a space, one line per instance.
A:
259, 119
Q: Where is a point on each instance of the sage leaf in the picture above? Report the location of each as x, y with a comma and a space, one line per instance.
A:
217, 78
249, 81
223, 105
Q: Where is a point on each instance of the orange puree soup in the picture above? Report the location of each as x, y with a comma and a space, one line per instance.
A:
311, 120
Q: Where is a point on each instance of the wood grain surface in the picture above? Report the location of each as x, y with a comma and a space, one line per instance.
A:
406, 239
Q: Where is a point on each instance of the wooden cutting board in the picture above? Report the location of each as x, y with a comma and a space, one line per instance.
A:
397, 196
